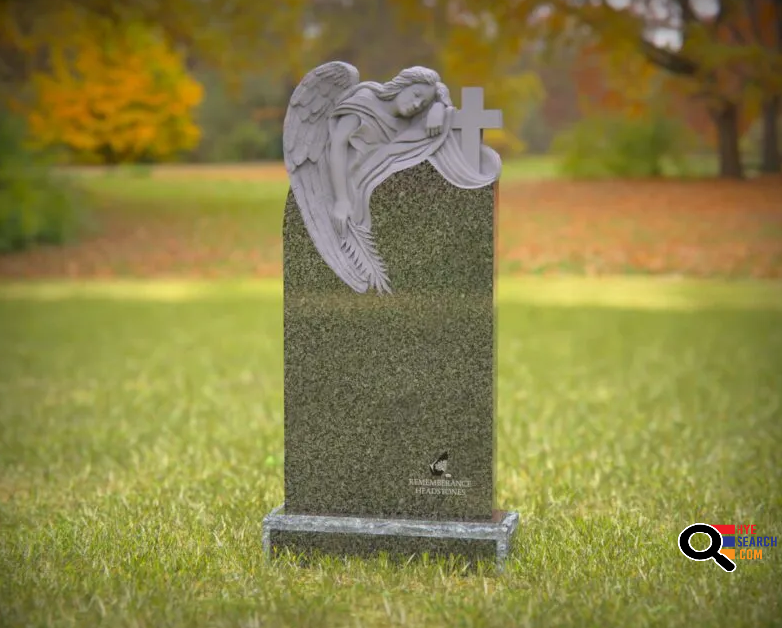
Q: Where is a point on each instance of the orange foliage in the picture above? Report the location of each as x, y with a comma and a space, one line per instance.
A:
696, 228
617, 79
612, 78
115, 95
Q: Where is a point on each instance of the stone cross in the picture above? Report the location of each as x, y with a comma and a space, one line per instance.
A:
472, 118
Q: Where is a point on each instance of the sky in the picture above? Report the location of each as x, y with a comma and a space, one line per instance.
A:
669, 36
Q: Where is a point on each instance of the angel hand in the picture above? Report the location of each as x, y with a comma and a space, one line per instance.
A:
339, 216
435, 119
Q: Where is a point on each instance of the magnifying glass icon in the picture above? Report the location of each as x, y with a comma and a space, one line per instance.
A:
711, 552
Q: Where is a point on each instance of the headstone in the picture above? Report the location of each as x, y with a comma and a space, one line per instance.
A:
388, 246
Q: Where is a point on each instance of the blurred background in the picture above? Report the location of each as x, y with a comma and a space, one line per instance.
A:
144, 138
639, 371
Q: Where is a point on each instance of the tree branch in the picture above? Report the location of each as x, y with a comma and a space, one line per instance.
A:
722, 12
674, 63
688, 15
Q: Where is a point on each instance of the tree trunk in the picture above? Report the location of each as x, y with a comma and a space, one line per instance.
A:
726, 119
771, 161
108, 155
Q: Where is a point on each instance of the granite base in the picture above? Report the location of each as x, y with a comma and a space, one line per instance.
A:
400, 538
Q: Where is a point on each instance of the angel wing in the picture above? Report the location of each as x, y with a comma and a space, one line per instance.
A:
305, 149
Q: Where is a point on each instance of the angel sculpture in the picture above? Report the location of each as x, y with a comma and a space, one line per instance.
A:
342, 138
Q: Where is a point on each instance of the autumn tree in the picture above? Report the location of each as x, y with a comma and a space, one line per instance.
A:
232, 35
709, 53
116, 95
615, 79
764, 30
233, 38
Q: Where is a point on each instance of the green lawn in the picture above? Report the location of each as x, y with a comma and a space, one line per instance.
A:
141, 445
211, 194
528, 167
254, 206
538, 167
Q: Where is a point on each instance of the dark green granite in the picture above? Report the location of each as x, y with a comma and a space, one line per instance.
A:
398, 548
377, 387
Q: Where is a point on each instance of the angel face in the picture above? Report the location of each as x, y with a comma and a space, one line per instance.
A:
413, 99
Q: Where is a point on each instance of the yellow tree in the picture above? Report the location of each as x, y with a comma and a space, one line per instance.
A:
233, 39
114, 94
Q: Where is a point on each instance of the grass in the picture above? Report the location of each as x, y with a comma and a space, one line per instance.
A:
528, 167
141, 446
544, 167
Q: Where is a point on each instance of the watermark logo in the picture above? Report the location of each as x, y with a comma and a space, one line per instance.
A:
440, 482
724, 541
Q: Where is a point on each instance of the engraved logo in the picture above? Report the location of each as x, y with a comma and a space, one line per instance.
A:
440, 466
442, 483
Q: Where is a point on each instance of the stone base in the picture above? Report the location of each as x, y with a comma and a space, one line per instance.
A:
368, 536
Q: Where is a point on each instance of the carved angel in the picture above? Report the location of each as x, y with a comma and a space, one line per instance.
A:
343, 138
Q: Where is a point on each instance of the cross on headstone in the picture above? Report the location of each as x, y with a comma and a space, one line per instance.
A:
472, 118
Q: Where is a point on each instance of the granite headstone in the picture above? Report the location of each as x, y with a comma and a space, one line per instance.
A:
389, 274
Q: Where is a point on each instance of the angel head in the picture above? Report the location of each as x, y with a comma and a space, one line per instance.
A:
413, 90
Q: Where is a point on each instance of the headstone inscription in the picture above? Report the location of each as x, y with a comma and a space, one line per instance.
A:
389, 328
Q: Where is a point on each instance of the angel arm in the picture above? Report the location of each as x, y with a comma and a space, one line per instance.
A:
435, 118
338, 165
338, 155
